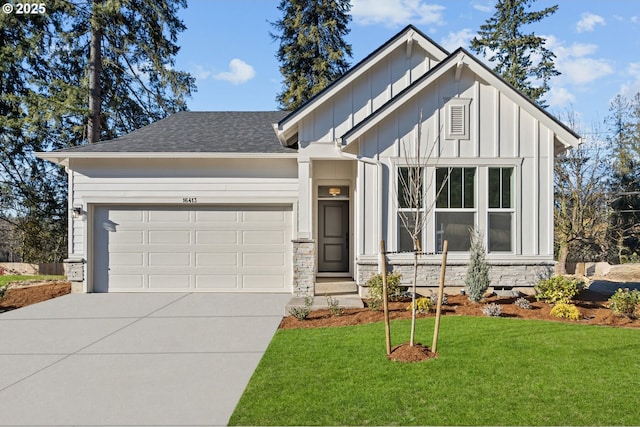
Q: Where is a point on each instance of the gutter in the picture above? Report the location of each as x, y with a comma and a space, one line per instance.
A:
341, 153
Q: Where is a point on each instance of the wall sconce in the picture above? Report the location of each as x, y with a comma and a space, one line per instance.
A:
334, 191
77, 211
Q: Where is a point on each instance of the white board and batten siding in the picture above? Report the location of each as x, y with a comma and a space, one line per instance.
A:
205, 225
501, 134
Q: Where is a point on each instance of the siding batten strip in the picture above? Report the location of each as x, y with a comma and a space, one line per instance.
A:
536, 187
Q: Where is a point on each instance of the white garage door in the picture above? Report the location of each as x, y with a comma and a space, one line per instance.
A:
215, 248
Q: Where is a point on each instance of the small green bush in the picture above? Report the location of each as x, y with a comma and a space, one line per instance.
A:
558, 289
423, 305
566, 311
375, 289
334, 306
301, 313
3, 289
625, 302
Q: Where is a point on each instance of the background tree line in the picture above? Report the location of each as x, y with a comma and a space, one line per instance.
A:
84, 71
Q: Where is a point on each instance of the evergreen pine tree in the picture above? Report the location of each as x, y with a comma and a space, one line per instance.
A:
477, 279
514, 52
312, 50
45, 98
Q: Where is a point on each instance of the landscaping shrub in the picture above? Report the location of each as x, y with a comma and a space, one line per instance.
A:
566, 311
523, 303
477, 279
301, 313
423, 305
625, 303
375, 289
492, 310
3, 289
334, 305
558, 289
434, 299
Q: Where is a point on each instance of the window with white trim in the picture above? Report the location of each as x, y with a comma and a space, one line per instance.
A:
455, 212
457, 118
501, 210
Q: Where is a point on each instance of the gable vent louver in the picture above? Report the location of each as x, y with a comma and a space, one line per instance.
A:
458, 118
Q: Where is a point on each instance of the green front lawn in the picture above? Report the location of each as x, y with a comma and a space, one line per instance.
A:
491, 371
9, 278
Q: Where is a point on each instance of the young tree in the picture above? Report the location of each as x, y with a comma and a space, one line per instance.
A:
477, 279
521, 58
624, 184
81, 72
414, 210
580, 213
312, 50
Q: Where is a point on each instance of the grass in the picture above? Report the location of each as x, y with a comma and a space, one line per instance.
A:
13, 278
491, 371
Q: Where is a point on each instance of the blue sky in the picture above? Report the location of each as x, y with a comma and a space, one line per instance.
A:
228, 49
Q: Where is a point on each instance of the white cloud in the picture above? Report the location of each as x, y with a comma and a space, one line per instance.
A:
239, 72
574, 63
559, 97
200, 73
632, 87
486, 8
455, 40
393, 13
588, 21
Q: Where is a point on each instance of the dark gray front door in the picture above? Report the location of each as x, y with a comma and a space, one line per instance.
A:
333, 235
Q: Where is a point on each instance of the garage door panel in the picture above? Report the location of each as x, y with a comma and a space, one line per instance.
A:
125, 236
174, 259
262, 281
263, 237
193, 248
217, 236
169, 216
169, 236
135, 259
218, 259
263, 259
217, 216
126, 281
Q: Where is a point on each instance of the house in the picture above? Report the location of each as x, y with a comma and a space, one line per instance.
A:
271, 201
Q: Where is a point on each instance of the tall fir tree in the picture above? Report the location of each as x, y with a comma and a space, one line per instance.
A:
312, 50
521, 58
624, 184
46, 99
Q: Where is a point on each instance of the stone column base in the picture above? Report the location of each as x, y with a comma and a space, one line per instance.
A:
304, 266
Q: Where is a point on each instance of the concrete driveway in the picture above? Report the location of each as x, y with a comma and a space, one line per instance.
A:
132, 359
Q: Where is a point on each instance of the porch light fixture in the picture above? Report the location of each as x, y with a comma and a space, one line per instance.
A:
334, 191
77, 211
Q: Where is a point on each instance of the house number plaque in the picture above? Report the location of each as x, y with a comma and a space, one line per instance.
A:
190, 200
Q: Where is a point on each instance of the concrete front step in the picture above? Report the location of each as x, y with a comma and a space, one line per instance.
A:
335, 286
320, 302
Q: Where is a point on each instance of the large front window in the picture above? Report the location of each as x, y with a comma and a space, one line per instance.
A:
455, 207
501, 209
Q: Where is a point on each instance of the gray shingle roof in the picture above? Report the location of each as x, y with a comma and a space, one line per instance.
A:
199, 132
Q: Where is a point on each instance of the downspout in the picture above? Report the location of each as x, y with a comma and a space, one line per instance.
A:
377, 163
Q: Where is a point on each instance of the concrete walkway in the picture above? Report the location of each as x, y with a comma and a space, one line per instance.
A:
132, 359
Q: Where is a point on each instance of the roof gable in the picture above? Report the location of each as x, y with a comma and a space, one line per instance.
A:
458, 59
286, 129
